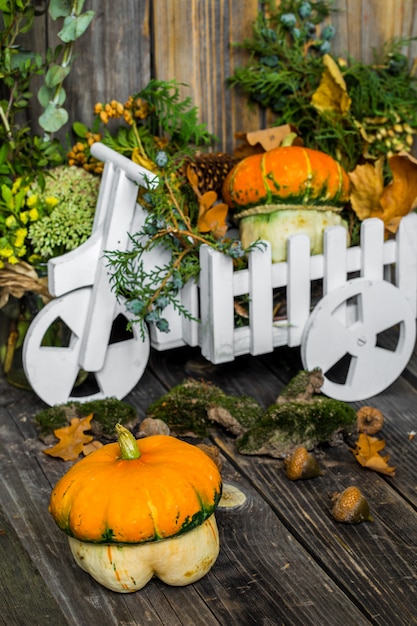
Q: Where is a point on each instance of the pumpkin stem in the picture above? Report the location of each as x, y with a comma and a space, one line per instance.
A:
128, 445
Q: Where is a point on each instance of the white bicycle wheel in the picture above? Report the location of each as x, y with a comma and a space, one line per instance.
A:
347, 324
52, 371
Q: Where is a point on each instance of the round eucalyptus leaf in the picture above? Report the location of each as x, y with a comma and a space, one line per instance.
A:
45, 95
56, 74
75, 26
53, 118
59, 8
60, 97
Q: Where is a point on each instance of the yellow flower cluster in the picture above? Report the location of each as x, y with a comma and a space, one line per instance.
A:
19, 207
80, 156
131, 110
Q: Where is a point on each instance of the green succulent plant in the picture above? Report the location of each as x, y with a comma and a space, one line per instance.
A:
70, 222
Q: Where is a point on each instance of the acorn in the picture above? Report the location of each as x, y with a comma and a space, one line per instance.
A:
301, 464
370, 420
350, 506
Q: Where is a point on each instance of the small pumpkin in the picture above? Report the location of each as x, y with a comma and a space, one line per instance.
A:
137, 509
285, 191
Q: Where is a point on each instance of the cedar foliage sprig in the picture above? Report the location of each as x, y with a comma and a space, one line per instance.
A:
168, 114
170, 228
151, 125
285, 68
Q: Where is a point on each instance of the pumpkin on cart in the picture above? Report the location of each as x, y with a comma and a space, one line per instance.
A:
285, 191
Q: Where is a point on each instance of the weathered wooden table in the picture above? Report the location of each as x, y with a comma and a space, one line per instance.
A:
283, 559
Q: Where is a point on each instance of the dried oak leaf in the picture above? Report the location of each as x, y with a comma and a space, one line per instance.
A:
265, 139
369, 197
88, 448
72, 439
211, 216
270, 138
367, 454
367, 185
331, 94
399, 196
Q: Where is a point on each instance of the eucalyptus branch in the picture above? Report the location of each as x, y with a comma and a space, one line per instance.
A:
52, 94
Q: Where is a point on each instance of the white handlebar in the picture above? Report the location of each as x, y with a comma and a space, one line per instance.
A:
135, 172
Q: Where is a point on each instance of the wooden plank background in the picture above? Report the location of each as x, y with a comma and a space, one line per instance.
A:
192, 41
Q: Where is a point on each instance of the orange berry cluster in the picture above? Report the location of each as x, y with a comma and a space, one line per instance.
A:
80, 156
133, 109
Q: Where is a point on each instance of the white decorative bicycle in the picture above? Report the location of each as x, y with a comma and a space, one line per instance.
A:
367, 291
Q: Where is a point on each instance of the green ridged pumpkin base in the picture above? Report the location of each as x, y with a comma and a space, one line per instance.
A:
275, 226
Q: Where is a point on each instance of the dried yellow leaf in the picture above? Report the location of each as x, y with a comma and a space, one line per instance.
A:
367, 185
213, 219
367, 454
331, 94
206, 201
143, 160
192, 177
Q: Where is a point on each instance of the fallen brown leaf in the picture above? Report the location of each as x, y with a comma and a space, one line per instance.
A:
367, 454
72, 439
367, 185
399, 195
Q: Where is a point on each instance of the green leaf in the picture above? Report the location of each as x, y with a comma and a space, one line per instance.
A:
29, 15
53, 118
56, 74
74, 26
60, 8
3, 153
19, 59
47, 95
80, 129
6, 193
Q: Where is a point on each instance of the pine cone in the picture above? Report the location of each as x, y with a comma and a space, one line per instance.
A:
211, 170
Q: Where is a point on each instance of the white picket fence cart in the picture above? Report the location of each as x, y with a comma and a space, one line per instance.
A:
367, 291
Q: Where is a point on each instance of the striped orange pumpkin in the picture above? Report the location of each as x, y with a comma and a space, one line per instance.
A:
290, 175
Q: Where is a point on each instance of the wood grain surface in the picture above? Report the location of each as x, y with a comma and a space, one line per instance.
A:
195, 41
283, 559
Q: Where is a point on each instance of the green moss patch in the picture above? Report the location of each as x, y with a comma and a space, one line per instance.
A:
106, 414
284, 426
185, 408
